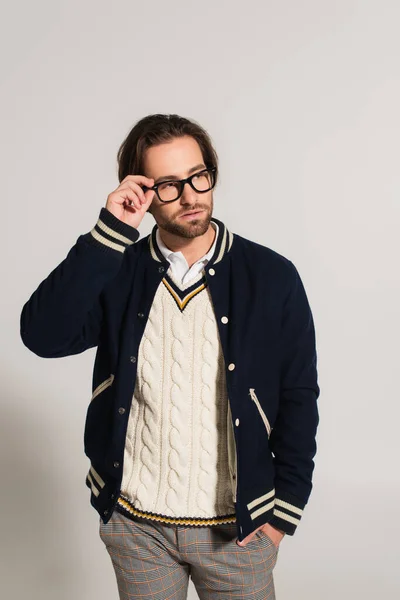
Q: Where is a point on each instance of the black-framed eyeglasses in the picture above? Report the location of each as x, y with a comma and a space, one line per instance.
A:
171, 190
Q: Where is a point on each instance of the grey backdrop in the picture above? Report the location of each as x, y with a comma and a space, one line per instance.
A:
301, 99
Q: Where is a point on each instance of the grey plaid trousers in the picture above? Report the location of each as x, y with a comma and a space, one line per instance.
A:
154, 560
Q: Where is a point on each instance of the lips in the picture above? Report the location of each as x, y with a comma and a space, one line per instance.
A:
192, 213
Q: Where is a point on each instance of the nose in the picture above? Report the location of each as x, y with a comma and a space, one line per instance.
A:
188, 196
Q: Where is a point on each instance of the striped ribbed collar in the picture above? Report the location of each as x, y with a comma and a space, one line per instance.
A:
223, 243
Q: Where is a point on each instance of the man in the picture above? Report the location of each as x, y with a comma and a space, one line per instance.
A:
201, 428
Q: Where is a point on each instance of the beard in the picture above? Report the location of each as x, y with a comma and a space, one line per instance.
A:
188, 229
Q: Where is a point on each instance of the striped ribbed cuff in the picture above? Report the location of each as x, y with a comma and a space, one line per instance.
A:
111, 233
288, 510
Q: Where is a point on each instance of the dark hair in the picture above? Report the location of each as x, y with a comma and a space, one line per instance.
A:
159, 129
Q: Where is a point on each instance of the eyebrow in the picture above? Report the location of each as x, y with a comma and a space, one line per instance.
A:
175, 177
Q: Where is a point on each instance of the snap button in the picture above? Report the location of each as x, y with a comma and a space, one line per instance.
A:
231, 366
116, 464
161, 269
133, 359
112, 496
211, 271
140, 315
121, 410
224, 319
105, 512
237, 422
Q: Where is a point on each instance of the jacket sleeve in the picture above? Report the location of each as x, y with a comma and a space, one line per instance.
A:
63, 316
293, 437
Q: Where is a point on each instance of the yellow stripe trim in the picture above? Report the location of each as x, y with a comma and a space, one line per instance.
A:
183, 303
176, 520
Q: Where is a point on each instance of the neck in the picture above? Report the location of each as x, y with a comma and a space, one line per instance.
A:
193, 248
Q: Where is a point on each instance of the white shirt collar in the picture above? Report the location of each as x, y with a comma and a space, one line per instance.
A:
170, 255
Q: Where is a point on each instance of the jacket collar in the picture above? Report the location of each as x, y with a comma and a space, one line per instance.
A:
222, 247
167, 253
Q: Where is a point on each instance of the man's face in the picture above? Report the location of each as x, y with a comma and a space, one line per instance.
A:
177, 158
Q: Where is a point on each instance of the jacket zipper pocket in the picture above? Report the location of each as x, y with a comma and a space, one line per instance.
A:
232, 458
260, 410
102, 386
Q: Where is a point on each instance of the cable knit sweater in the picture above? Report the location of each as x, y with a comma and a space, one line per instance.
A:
176, 462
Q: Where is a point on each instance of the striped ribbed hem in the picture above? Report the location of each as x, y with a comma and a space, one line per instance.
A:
125, 507
287, 513
112, 234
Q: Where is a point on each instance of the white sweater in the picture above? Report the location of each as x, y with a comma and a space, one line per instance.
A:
176, 463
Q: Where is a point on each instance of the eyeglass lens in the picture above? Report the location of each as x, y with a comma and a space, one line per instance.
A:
170, 190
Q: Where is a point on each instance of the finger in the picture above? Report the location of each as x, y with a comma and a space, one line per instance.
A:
132, 199
139, 178
137, 189
149, 196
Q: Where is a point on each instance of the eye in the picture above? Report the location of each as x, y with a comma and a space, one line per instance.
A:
166, 184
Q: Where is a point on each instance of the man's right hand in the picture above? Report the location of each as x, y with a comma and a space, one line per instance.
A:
128, 202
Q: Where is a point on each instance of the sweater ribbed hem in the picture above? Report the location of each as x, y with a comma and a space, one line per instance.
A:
125, 507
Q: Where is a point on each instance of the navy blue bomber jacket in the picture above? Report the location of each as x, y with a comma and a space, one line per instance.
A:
100, 296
